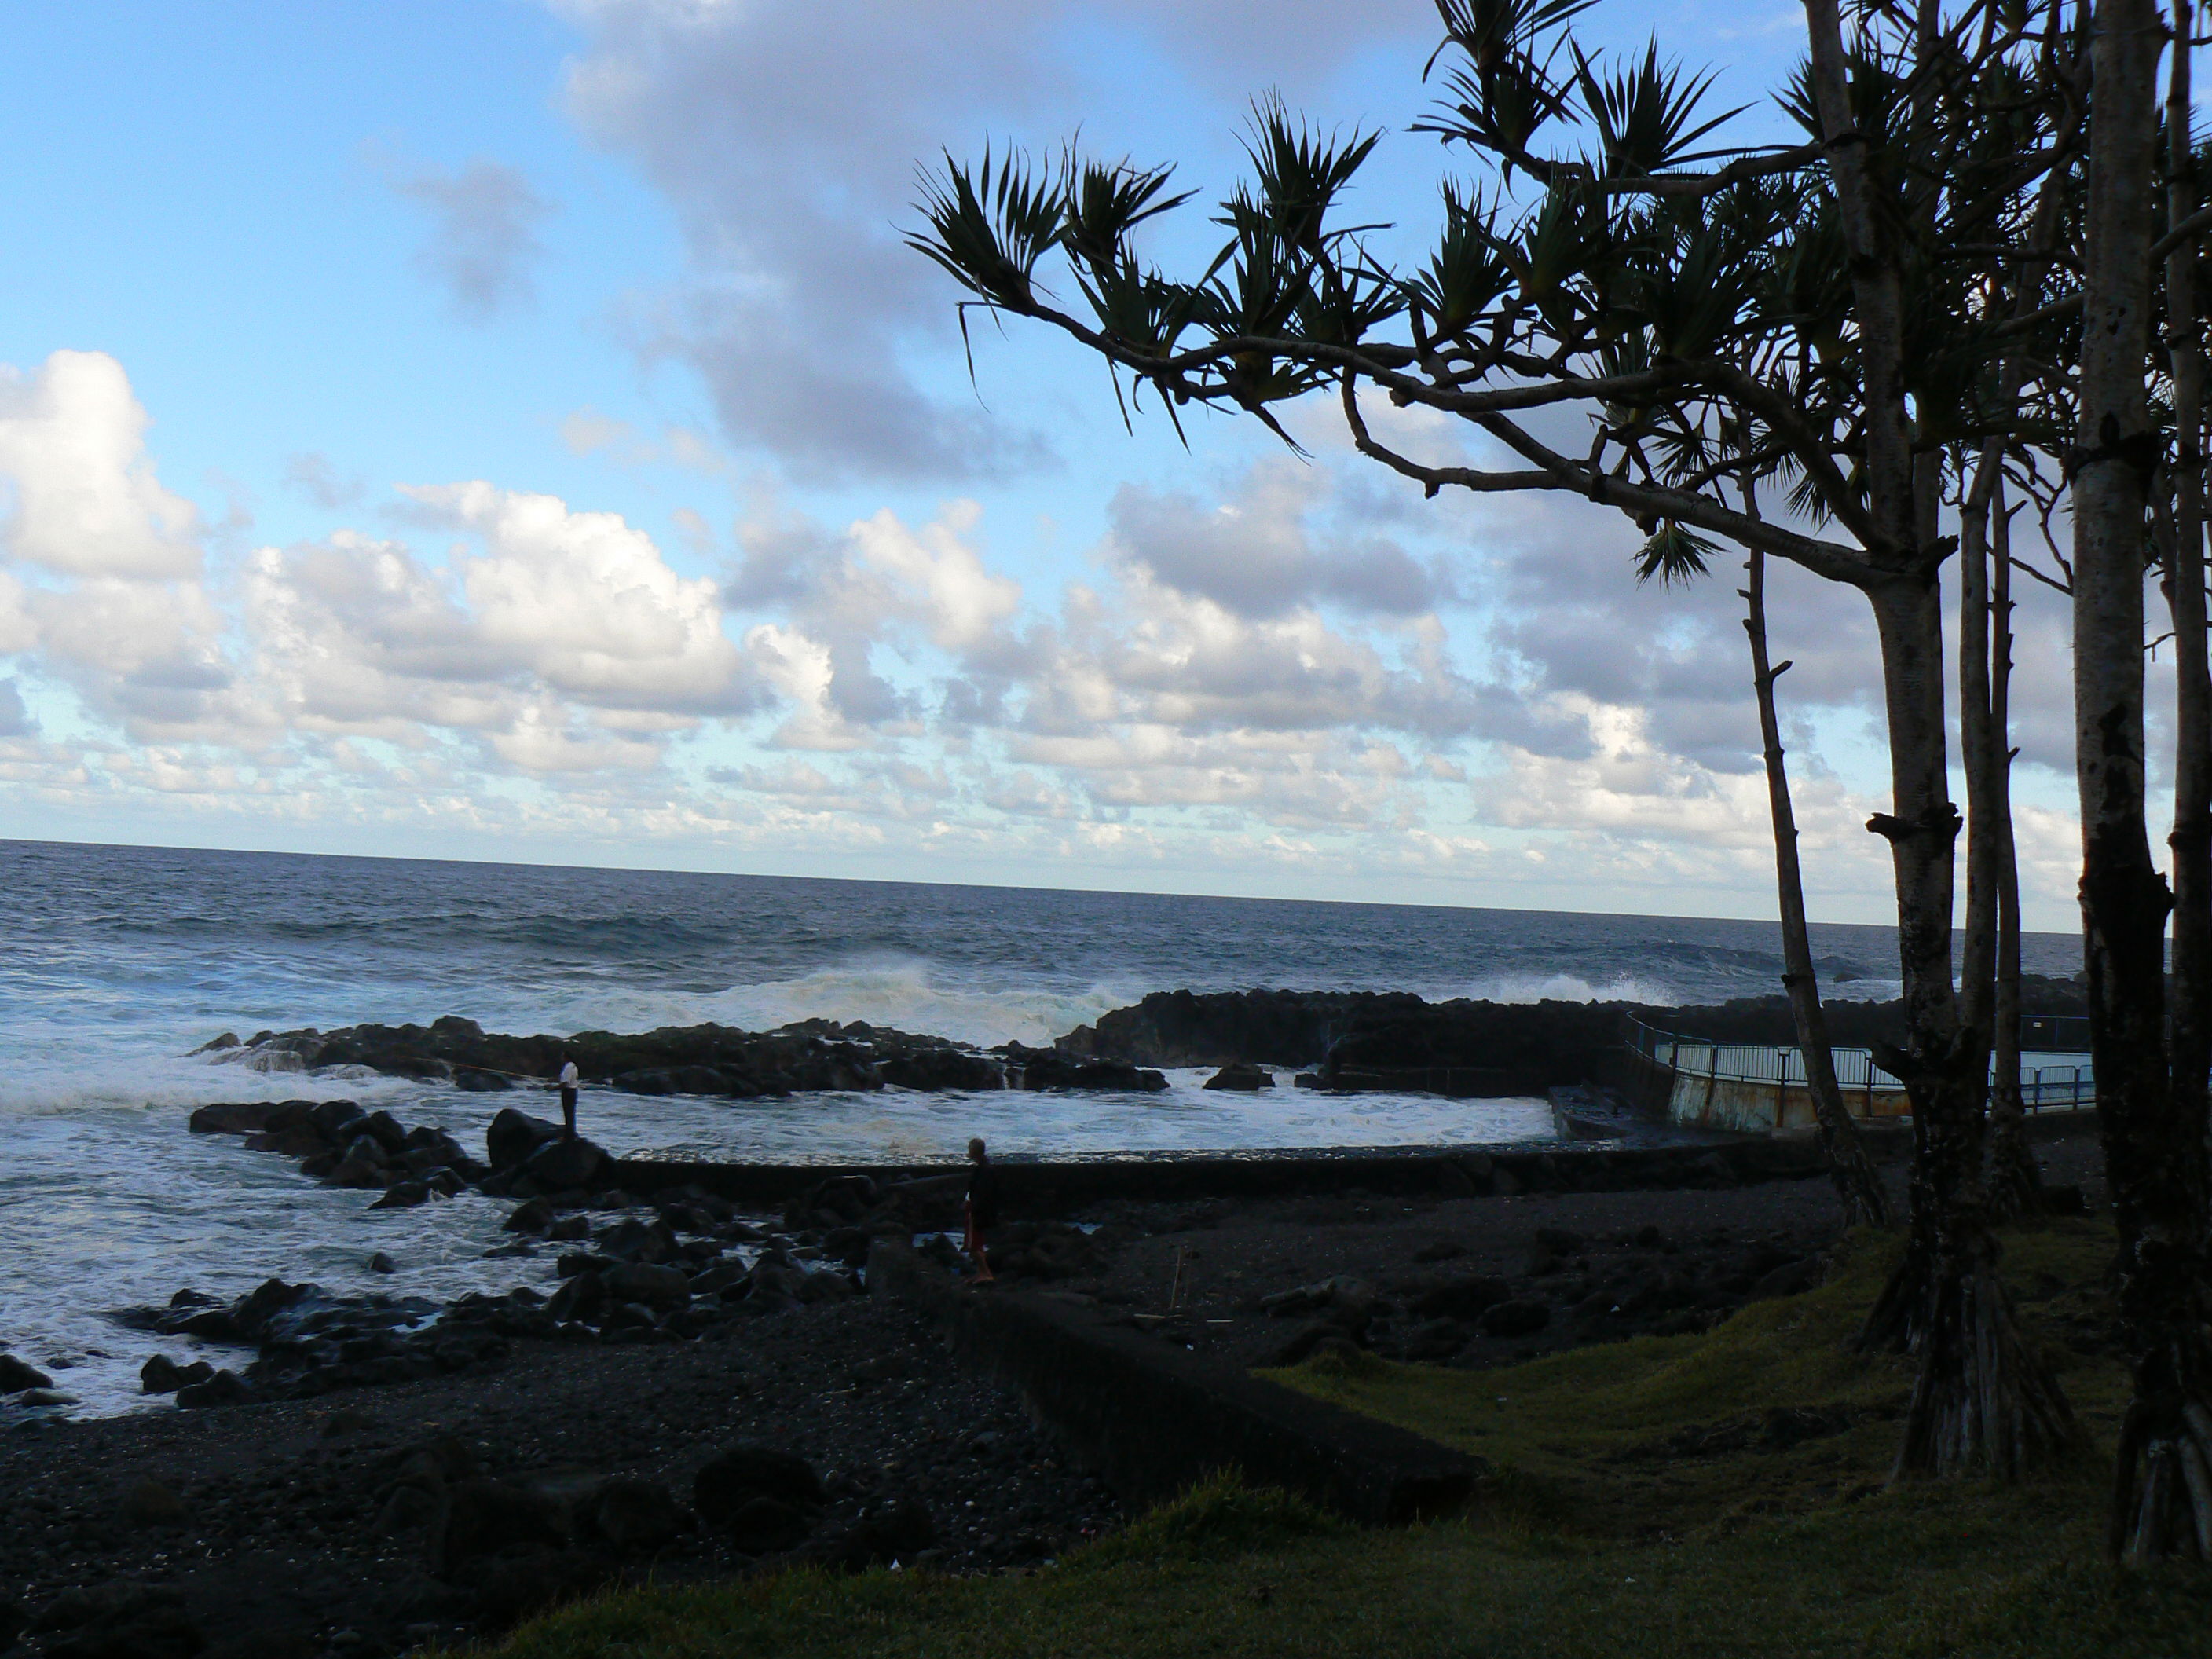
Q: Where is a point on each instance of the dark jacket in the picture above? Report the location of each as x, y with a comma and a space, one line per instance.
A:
983, 1193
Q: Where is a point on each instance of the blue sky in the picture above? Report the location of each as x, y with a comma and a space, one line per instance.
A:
512, 430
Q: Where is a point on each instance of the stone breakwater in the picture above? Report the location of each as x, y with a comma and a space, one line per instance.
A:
678, 1264
716, 1060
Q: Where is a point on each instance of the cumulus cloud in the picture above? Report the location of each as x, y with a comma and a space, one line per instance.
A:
1255, 553
82, 498
483, 241
14, 719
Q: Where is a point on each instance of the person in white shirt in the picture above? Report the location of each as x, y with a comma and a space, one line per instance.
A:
569, 1080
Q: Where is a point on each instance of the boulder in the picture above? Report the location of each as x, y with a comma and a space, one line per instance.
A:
559, 1165
653, 1286
535, 1216
381, 1263
1243, 1078
634, 1515
512, 1586
402, 1196
387, 1131
15, 1376
742, 1474
225, 1387
480, 1517
766, 1526
162, 1375
1461, 1298
242, 1117
512, 1137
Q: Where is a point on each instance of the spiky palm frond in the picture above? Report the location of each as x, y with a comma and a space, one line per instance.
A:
1644, 117
1675, 553
1465, 274
1301, 172
989, 225
1104, 202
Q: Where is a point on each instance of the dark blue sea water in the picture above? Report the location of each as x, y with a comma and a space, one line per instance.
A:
116, 962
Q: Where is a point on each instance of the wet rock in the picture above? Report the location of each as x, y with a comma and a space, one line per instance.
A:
225, 1387
17, 1375
162, 1375
402, 1196
215, 1045
381, 1263
1044, 1069
559, 1165
533, 1216
653, 1286
1242, 1078
512, 1136
243, 1117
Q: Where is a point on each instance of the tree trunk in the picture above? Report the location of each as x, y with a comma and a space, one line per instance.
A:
2154, 1152
1981, 1399
2016, 1186
1859, 1184
2190, 841
1983, 757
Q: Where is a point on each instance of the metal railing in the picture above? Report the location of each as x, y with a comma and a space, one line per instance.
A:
2058, 1085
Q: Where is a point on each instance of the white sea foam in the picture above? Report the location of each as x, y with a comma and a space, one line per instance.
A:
1567, 988
907, 994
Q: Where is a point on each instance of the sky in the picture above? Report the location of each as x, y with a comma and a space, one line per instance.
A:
490, 429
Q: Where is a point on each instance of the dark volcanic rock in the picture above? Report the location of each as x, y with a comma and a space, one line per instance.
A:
512, 1136
1240, 1077
15, 1376
705, 1059
742, 1474
1044, 1068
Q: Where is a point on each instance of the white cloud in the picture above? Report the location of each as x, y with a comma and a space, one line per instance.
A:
83, 499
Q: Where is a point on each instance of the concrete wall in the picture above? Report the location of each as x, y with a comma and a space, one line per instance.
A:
1154, 1419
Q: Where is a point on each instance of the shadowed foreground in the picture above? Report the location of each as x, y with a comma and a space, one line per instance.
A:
1692, 1495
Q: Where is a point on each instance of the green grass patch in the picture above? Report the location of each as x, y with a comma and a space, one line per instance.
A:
1640, 1509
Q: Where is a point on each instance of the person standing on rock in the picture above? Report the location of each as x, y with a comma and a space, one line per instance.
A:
982, 1209
569, 1081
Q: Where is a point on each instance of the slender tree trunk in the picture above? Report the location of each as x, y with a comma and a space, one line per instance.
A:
2015, 1187
2154, 1153
1982, 752
2190, 841
1859, 1184
1981, 1400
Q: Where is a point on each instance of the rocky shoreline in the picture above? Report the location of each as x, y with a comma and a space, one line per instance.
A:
356, 1525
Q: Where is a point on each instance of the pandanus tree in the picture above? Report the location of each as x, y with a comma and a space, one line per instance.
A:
1810, 319
2135, 481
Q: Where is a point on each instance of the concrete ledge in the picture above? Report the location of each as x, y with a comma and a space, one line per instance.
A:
1155, 1419
1047, 1188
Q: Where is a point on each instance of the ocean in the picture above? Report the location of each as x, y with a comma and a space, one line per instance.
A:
115, 963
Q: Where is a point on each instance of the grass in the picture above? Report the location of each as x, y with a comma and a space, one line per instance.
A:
1693, 1496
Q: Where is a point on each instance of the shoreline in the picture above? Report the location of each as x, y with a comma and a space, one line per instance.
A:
284, 1533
